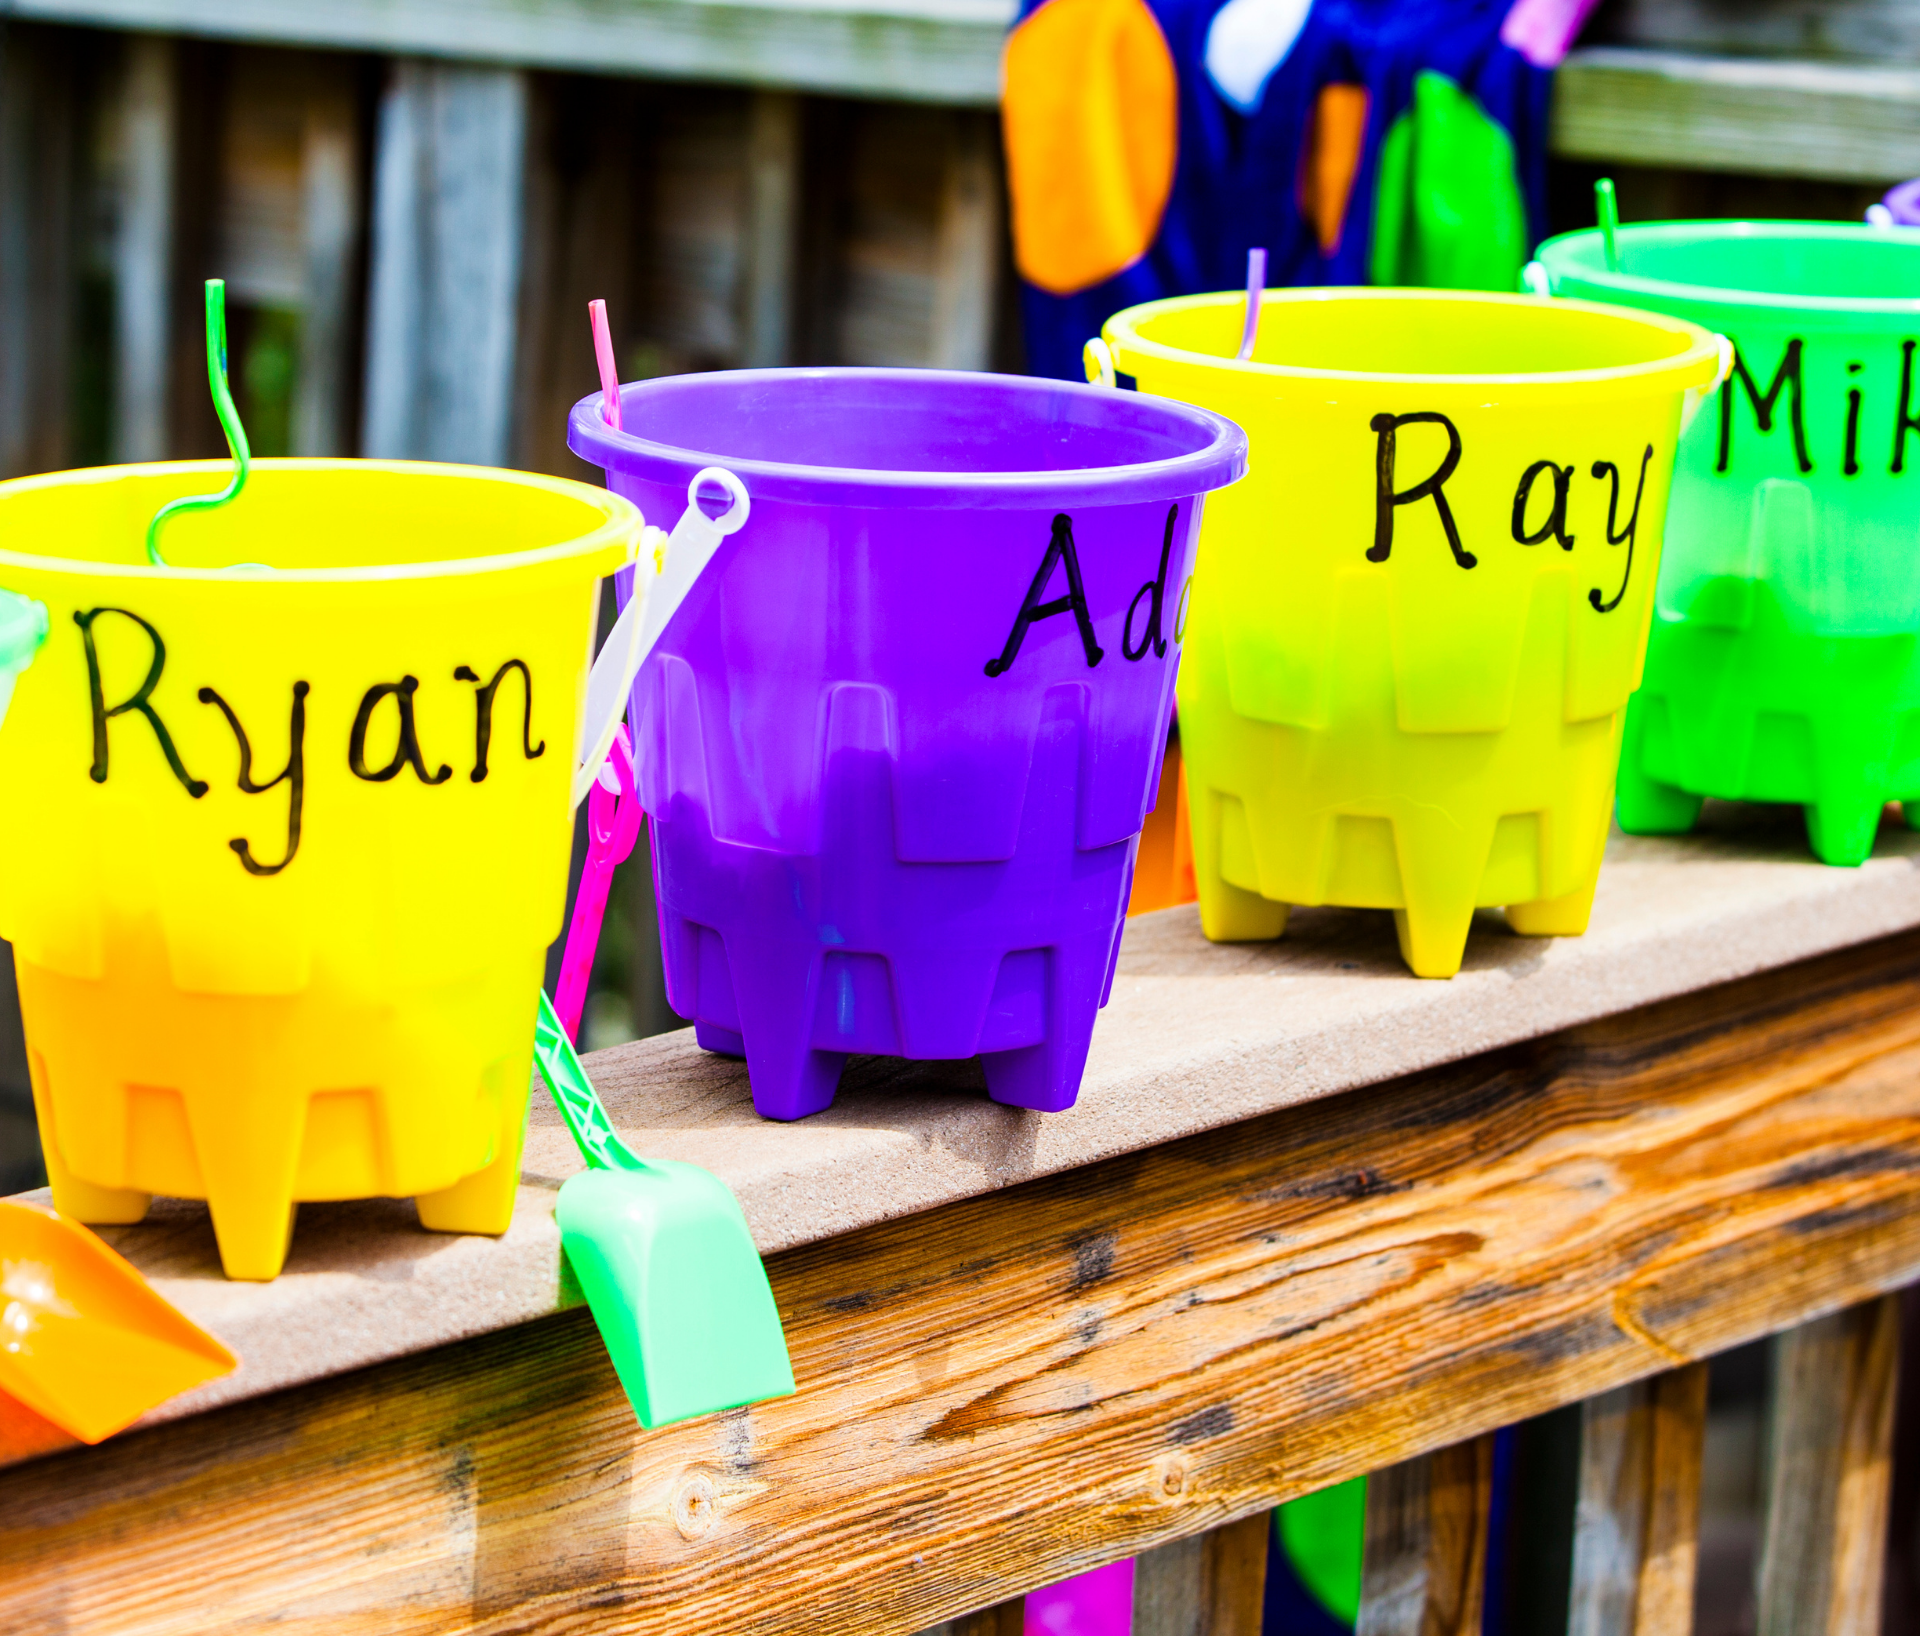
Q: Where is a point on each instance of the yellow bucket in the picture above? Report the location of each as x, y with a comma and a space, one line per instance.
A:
286, 848
1412, 629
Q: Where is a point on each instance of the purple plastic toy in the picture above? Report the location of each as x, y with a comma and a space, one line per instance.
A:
899, 741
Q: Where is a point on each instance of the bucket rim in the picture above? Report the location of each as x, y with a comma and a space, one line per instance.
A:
619, 527
1558, 254
1702, 357
1220, 461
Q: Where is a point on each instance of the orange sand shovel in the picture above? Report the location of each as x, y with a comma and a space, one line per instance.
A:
84, 1340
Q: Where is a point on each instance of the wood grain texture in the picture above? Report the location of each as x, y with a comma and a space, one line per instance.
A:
1849, 121
1011, 1389
1424, 1569
914, 50
1211, 1584
1867, 30
1636, 1529
1823, 1556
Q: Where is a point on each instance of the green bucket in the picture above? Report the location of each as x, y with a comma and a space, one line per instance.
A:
1782, 663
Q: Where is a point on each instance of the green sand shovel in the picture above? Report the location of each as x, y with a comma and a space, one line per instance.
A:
665, 1260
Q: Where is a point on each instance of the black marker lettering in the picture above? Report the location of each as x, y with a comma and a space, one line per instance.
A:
294, 774
1386, 427
406, 752
1556, 523
1851, 465
1606, 468
1059, 549
1787, 376
1155, 590
483, 716
137, 700
1904, 420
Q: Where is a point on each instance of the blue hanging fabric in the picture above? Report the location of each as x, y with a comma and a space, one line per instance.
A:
1357, 140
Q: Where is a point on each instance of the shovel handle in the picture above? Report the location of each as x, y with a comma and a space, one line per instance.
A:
573, 1094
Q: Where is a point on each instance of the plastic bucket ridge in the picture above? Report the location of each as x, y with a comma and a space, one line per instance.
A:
1415, 626
899, 742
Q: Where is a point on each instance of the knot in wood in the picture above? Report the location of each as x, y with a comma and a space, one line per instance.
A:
1169, 1479
696, 1505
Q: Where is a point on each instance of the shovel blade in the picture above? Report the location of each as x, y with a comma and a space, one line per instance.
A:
84, 1340
672, 1277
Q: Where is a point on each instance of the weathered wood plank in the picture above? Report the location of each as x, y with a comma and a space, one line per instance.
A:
39, 169
1007, 1619
144, 131
1424, 1568
1868, 30
1211, 1584
966, 267
1015, 1388
1823, 1555
1636, 1530
774, 126
449, 176
1848, 122
914, 50
330, 227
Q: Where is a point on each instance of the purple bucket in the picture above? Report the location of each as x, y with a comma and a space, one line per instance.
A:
899, 741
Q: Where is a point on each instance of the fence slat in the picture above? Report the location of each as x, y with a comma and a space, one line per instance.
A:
449, 178
772, 226
1424, 1568
1007, 1619
1211, 1584
1636, 1531
966, 274
330, 235
1823, 1555
143, 248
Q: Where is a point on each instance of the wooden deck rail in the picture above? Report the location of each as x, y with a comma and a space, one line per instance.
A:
1311, 1219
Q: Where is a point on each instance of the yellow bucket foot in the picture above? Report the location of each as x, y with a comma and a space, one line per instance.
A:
1231, 914
1432, 945
254, 1237
480, 1203
96, 1206
1554, 917
483, 1202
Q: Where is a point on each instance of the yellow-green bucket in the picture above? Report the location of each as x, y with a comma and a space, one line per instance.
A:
1412, 630
286, 846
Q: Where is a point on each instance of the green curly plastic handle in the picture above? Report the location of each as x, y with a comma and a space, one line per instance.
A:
574, 1095
229, 423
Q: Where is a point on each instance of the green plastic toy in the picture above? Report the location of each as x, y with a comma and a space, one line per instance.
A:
1782, 664
665, 1261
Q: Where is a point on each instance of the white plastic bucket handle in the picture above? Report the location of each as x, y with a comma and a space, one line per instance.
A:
1696, 396
1096, 357
668, 567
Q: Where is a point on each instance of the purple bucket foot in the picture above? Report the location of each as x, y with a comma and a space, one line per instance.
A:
722, 1042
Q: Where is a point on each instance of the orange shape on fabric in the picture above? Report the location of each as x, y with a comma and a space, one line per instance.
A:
1090, 108
1332, 157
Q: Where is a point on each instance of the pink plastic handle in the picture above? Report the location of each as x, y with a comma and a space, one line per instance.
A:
609, 376
613, 827
1256, 283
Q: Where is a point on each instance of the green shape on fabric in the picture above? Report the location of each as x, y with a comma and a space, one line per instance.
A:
1447, 208
1323, 1534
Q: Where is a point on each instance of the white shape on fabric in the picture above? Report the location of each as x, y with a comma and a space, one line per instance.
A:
1246, 42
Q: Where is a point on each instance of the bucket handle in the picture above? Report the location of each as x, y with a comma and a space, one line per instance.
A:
1534, 281
1696, 396
677, 560
1096, 357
